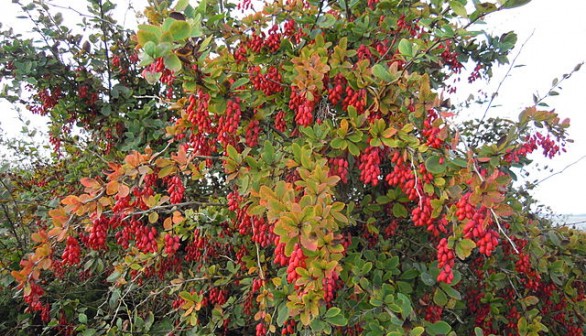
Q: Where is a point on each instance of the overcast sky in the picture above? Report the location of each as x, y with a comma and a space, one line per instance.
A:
556, 46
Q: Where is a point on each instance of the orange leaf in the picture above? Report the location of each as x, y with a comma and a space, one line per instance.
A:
59, 216
123, 190
91, 185
177, 217
112, 187
133, 159
168, 224
180, 157
40, 236
55, 232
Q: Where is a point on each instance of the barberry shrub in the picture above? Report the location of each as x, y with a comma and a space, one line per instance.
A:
305, 176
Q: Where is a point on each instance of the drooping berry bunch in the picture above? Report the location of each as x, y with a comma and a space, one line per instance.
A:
72, 252
262, 232
369, 165
303, 107
280, 122
403, 176
339, 167
176, 189
172, 244
98, 234
228, 123
356, 99
198, 113
336, 92
47, 98
431, 130
252, 133
297, 259
446, 260
269, 83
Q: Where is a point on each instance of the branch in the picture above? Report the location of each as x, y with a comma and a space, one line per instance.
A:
107, 52
511, 66
559, 172
557, 84
170, 206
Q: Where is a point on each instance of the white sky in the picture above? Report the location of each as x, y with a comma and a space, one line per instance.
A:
556, 47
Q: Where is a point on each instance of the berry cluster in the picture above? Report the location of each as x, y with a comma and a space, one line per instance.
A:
172, 244
252, 132
339, 167
297, 259
198, 247
369, 165
411, 27
280, 123
269, 83
146, 238
403, 176
477, 226
303, 108
433, 313
240, 54
330, 285
234, 200
98, 234
431, 131
72, 252
48, 99
446, 260
364, 52
198, 113
228, 123
280, 258
176, 189
356, 99
262, 232
335, 93
288, 327
450, 57
261, 329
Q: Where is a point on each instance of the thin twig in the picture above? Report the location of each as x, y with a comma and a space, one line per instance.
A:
559, 172
511, 66
416, 186
107, 52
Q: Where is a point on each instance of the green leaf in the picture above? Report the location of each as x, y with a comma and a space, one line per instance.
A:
400, 211
239, 82
181, 5
515, 3
427, 279
439, 297
458, 8
148, 33
464, 248
172, 62
381, 72
437, 328
406, 48
338, 320
433, 165
268, 154
180, 30
282, 314
454, 294
334, 311
327, 21
416, 331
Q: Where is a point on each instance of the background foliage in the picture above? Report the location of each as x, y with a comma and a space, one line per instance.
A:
296, 170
